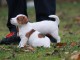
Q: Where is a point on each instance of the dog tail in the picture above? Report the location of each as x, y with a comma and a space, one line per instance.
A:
56, 18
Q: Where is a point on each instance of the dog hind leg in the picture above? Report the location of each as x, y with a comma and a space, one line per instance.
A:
56, 36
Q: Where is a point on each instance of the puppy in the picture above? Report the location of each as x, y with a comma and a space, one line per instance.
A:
49, 28
28, 34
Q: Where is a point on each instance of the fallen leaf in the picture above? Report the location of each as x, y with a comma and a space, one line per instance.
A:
75, 56
48, 53
77, 19
73, 44
61, 44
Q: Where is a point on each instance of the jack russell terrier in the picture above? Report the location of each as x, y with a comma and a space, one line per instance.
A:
44, 27
28, 34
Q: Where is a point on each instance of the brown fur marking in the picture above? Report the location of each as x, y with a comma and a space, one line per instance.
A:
29, 33
22, 19
41, 35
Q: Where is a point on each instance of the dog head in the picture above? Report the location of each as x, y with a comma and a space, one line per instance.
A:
19, 20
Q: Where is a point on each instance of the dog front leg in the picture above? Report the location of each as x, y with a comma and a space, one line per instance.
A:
23, 42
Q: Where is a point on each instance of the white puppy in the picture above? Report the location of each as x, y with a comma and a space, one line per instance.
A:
27, 33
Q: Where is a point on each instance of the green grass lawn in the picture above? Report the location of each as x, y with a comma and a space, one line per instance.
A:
69, 31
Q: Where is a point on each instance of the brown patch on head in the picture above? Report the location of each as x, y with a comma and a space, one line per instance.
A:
41, 35
22, 19
29, 33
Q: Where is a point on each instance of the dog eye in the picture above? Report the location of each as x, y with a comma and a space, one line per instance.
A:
17, 18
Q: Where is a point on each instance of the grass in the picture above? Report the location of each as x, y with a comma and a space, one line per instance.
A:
69, 32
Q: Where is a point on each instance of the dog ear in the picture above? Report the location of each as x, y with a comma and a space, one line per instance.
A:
25, 19
22, 19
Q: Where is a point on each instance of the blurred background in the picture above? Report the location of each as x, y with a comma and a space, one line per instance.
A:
67, 10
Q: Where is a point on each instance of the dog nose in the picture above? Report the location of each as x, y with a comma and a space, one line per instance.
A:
11, 19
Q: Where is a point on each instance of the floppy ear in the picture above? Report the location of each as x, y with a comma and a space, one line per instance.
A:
25, 19
22, 19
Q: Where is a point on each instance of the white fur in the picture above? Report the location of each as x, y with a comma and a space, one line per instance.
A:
48, 27
56, 18
33, 40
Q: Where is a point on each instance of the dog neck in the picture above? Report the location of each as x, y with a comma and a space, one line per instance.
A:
24, 28
23, 25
